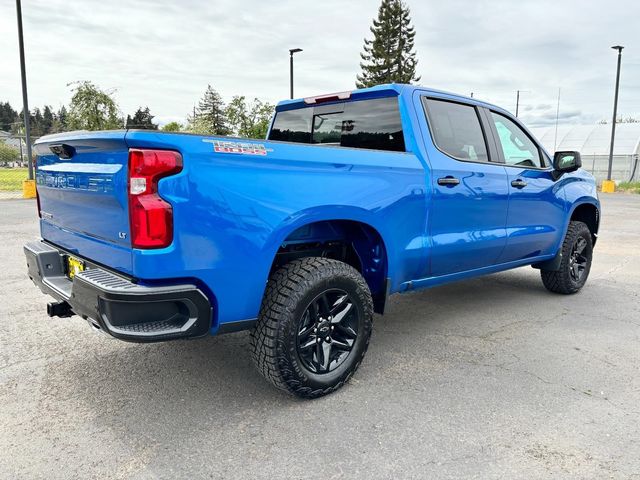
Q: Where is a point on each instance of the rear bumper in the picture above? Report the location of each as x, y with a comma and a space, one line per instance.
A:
115, 304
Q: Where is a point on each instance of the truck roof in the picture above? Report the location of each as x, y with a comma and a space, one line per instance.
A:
375, 92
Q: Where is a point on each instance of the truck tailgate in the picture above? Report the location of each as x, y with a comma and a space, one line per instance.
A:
82, 187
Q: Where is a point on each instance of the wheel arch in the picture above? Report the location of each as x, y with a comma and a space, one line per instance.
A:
588, 213
349, 238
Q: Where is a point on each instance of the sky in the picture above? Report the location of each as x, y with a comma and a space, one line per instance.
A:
163, 53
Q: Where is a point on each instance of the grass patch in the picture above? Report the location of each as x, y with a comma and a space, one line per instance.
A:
11, 178
631, 187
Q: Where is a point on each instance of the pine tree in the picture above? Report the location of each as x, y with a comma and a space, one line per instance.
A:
47, 120
37, 126
389, 56
141, 119
60, 120
210, 117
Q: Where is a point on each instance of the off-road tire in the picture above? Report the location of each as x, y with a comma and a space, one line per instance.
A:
562, 281
274, 341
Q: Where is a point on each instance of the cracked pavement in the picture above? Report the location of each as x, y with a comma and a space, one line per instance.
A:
488, 378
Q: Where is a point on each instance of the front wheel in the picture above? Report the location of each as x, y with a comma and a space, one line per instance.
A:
577, 253
314, 326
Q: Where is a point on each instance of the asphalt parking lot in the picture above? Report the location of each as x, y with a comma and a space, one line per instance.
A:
489, 378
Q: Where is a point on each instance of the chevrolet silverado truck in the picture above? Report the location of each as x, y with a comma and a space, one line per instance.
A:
301, 237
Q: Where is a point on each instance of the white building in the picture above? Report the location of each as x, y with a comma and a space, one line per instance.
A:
593, 141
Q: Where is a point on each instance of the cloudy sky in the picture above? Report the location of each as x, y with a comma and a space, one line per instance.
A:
163, 53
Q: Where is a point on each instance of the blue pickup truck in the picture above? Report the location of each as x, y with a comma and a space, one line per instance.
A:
301, 237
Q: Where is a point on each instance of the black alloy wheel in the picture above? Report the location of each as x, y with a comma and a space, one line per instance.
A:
328, 331
575, 257
579, 260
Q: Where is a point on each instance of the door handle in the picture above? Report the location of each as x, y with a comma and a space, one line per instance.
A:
519, 183
448, 180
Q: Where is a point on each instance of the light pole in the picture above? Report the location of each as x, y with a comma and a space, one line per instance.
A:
615, 113
291, 52
518, 92
25, 102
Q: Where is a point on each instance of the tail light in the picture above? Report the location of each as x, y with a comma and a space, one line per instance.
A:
150, 216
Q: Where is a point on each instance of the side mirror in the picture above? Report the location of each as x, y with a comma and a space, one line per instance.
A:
566, 161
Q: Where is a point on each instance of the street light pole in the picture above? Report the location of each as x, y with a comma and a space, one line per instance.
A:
291, 52
25, 102
518, 92
615, 110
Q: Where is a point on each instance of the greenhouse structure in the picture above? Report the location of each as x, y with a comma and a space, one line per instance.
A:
593, 142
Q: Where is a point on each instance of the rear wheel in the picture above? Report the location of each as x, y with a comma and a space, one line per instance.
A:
314, 326
577, 253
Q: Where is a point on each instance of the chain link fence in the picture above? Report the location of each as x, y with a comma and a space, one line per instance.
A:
13, 166
624, 168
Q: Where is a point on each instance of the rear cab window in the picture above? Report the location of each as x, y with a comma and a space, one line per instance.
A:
372, 124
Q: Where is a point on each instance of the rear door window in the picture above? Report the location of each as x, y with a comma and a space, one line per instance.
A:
372, 124
456, 129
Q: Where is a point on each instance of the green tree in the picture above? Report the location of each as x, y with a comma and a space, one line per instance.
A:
249, 120
42, 122
237, 115
8, 154
62, 115
8, 116
92, 109
36, 123
210, 116
172, 127
141, 119
47, 120
389, 56
59, 120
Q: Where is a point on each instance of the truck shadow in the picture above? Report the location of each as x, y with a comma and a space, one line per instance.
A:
200, 385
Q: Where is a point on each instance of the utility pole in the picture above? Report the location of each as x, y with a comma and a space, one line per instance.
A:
291, 52
25, 101
555, 138
615, 110
518, 92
